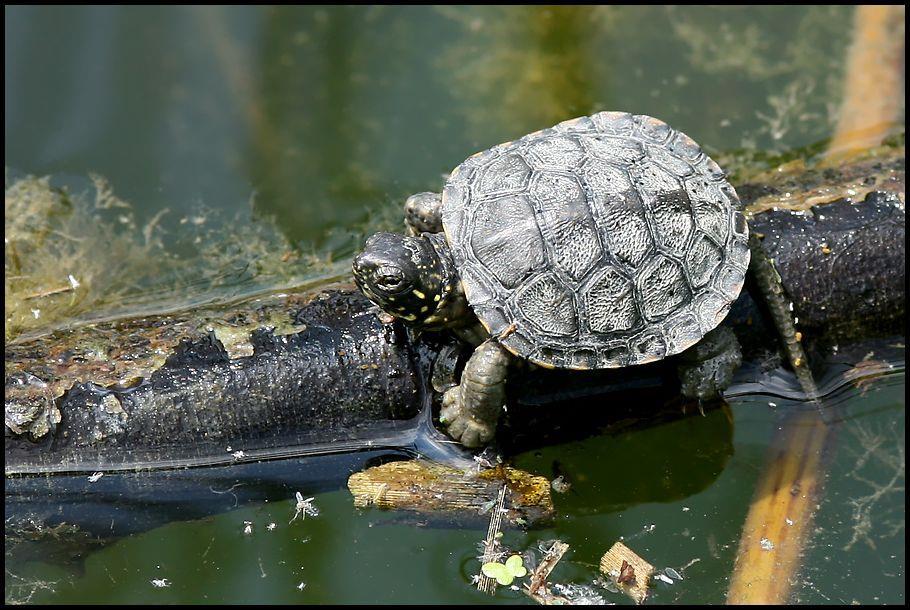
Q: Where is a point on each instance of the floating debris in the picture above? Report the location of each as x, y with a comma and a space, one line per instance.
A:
766, 544
301, 586
579, 595
160, 583
560, 484
631, 573
95, 477
673, 574
304, 507
247, 528
606, 583
487, 584
663, 578
558, 594
271, 526
552, 553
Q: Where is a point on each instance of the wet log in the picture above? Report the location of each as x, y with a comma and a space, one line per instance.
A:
837, 240
202, 390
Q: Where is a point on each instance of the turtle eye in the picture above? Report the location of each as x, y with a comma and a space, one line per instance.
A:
389, 279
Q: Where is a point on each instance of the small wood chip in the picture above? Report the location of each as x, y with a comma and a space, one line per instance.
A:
549, 561
428, 487
631, 572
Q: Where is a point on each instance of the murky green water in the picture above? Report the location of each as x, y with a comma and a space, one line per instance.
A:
687, 518
280, 135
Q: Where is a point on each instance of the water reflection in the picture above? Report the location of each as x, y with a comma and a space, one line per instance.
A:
518, 69
328, 112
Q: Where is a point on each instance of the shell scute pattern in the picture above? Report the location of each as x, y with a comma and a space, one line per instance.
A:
702, 260
507, 174
566, 220
496, 222
683, 330
661, 287
614, 149
651, 128
547, 304
672, 221
685, 147
609, 303
556, 152
617, 123
604, 241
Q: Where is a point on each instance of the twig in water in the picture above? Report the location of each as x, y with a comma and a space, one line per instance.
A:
487, 584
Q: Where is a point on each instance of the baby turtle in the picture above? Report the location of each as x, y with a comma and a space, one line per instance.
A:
605, 241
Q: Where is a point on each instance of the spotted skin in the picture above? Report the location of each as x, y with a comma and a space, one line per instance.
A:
402, 275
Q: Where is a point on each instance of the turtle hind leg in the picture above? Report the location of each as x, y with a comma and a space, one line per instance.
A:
471, 409
422, 213
769, 284
706, 369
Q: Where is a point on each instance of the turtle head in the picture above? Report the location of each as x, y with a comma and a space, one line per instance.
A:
402, 275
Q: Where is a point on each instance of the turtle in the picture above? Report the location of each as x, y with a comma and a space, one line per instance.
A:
606, 241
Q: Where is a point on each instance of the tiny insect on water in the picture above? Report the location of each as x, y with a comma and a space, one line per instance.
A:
304, 507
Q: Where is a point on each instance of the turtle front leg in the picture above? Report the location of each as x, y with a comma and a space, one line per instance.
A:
471, 409
706, 369
422, 213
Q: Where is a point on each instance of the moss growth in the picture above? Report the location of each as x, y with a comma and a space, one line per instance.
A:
73, 257
747, 165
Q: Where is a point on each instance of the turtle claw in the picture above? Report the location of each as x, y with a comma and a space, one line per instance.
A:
459, 424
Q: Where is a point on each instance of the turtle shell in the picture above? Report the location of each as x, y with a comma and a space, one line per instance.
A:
604, 241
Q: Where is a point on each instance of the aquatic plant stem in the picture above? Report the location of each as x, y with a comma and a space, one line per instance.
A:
873, 102
782, 510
